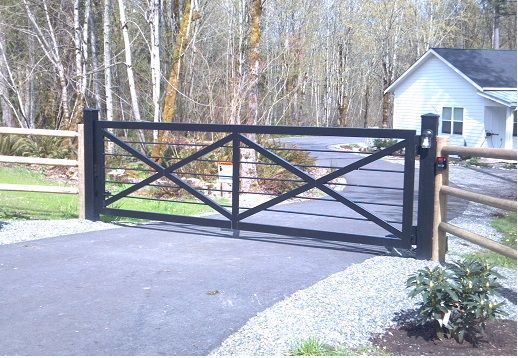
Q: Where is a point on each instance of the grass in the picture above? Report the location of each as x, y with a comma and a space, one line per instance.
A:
20, 205
505, 225
314, 347
476, 161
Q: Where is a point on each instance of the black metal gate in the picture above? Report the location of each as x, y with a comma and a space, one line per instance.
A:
351, 219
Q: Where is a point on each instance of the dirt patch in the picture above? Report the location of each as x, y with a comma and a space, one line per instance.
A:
411, 340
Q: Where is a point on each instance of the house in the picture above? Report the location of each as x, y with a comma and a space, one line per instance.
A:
473, 90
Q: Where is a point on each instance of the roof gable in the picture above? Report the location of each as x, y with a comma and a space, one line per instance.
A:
495, 69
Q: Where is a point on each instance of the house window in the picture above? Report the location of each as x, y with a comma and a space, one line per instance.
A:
514, 124
452, 118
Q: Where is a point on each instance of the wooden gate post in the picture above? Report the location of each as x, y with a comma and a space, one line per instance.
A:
425, 206
81, 168
89, 208
440, 208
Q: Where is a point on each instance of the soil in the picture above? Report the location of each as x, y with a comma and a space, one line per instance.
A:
412, 340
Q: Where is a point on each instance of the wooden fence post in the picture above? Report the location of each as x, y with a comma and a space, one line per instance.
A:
440, 208
81, 169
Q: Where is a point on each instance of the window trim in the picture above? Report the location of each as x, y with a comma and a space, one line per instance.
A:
452, 120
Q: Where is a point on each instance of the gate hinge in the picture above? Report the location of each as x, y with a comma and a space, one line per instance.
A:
413, 237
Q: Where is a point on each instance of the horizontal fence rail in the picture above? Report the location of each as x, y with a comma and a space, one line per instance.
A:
494, 153
39, 189
443, 190
12, 159
38, 132
38, 161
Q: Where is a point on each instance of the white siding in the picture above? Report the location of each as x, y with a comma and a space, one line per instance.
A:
432, 86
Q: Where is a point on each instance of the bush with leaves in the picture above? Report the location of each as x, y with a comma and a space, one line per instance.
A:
457, 301
10, 145
47, 147
382, 143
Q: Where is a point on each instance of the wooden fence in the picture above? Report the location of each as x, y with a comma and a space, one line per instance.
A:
443, 190
49, 161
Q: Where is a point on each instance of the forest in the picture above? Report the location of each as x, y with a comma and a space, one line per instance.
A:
269, 62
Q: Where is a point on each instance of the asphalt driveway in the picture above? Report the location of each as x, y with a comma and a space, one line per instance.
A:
151, 290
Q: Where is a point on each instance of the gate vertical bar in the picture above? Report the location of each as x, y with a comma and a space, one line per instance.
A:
100, 183
90, 118
236, 165
430, 124
408, 193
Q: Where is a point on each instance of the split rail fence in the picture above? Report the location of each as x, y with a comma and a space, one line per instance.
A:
78, 163
443, 190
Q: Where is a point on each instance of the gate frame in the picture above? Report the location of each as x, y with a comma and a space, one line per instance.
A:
420, 235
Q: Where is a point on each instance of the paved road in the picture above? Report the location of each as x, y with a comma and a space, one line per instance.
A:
154, 290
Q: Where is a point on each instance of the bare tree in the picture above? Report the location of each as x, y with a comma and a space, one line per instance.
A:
128, 59
51, 49
154, 27
107, 56
7, 113
169, 110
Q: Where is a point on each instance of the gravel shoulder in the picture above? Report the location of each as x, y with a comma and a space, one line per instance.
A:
366, 299
13, 231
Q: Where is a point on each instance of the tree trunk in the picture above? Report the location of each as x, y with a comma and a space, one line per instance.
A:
8, 80
95, 64
256, 10
81, 43
496, 27
169, 110
343, 100
249, 155
107, 39
51, 51
128, 58
154, 27
387, 105
7, 114
366, 108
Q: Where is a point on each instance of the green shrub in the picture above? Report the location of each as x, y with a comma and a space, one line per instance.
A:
279, 186
382, 143
9, 145
475, 161
46, 147
457, 301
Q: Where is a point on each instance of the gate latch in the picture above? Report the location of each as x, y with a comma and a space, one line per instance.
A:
441, 163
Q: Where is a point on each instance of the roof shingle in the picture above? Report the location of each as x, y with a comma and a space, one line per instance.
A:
487, 68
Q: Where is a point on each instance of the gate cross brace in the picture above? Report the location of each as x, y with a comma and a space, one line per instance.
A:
167, 172
320, 183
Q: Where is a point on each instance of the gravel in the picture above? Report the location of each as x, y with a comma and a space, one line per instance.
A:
350, 307
345, 308
25, 230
